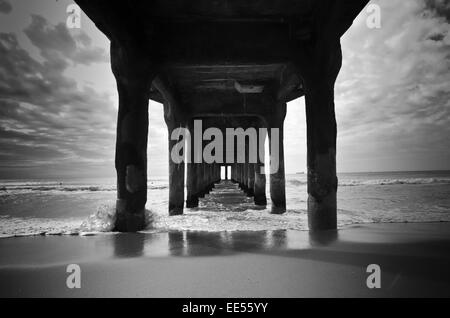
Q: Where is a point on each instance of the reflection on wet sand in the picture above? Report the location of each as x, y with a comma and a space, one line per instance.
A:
192, 243
129, 245
234, 264
415, 258
323, 238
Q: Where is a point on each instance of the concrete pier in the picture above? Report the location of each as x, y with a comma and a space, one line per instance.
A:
277, 176
251, 179
260, 176
176, 177
133, 83
191, 185
191, 175
231, 64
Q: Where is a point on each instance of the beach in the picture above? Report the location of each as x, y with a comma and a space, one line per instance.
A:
413, 258
228, 247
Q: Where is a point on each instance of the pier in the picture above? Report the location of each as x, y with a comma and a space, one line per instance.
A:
228, 63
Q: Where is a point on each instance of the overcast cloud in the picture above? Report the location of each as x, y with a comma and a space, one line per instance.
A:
58, 99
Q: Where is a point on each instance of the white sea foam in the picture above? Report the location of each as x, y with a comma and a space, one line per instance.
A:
101, 221
361, 199
55, 187
394, 181
16, 226
22, 189
343, 182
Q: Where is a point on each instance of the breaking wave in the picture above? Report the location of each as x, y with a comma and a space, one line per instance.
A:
344, 182
27, 188
395, 181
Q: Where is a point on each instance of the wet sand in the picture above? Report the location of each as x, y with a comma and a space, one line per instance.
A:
414, 260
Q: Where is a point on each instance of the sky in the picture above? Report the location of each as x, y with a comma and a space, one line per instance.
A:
58, 99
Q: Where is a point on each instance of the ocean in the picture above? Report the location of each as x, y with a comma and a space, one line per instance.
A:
86, 207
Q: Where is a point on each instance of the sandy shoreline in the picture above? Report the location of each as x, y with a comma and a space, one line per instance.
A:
413, 257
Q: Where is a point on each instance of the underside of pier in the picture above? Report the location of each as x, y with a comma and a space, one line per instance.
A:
228, 63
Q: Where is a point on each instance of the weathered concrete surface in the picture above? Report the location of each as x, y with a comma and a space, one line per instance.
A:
191, 185
134, 75
191, 175
260, 188
319, 81
251, 179
260, 177
176, 178
277, 177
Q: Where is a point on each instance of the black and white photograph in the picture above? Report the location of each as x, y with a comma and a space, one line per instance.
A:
233, 151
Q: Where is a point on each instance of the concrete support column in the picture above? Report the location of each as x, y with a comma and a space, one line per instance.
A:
226, 172
211, 176
260, 187
134, 76
202, 172
245, 168
191, 185
245, 177
321, 154
207, 177
251, 179
191, 175
242, 184
321, 140
277, 177
176, 175
200, 180
260, 177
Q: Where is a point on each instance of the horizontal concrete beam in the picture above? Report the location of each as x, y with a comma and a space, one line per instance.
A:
218, 102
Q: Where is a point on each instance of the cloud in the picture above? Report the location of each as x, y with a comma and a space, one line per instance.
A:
46, 118
56, 42
392, 98
393, 90
5, 7
439, 8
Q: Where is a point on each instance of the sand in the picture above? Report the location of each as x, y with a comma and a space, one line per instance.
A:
414, 261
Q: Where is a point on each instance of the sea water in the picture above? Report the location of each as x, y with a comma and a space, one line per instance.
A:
55, 207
